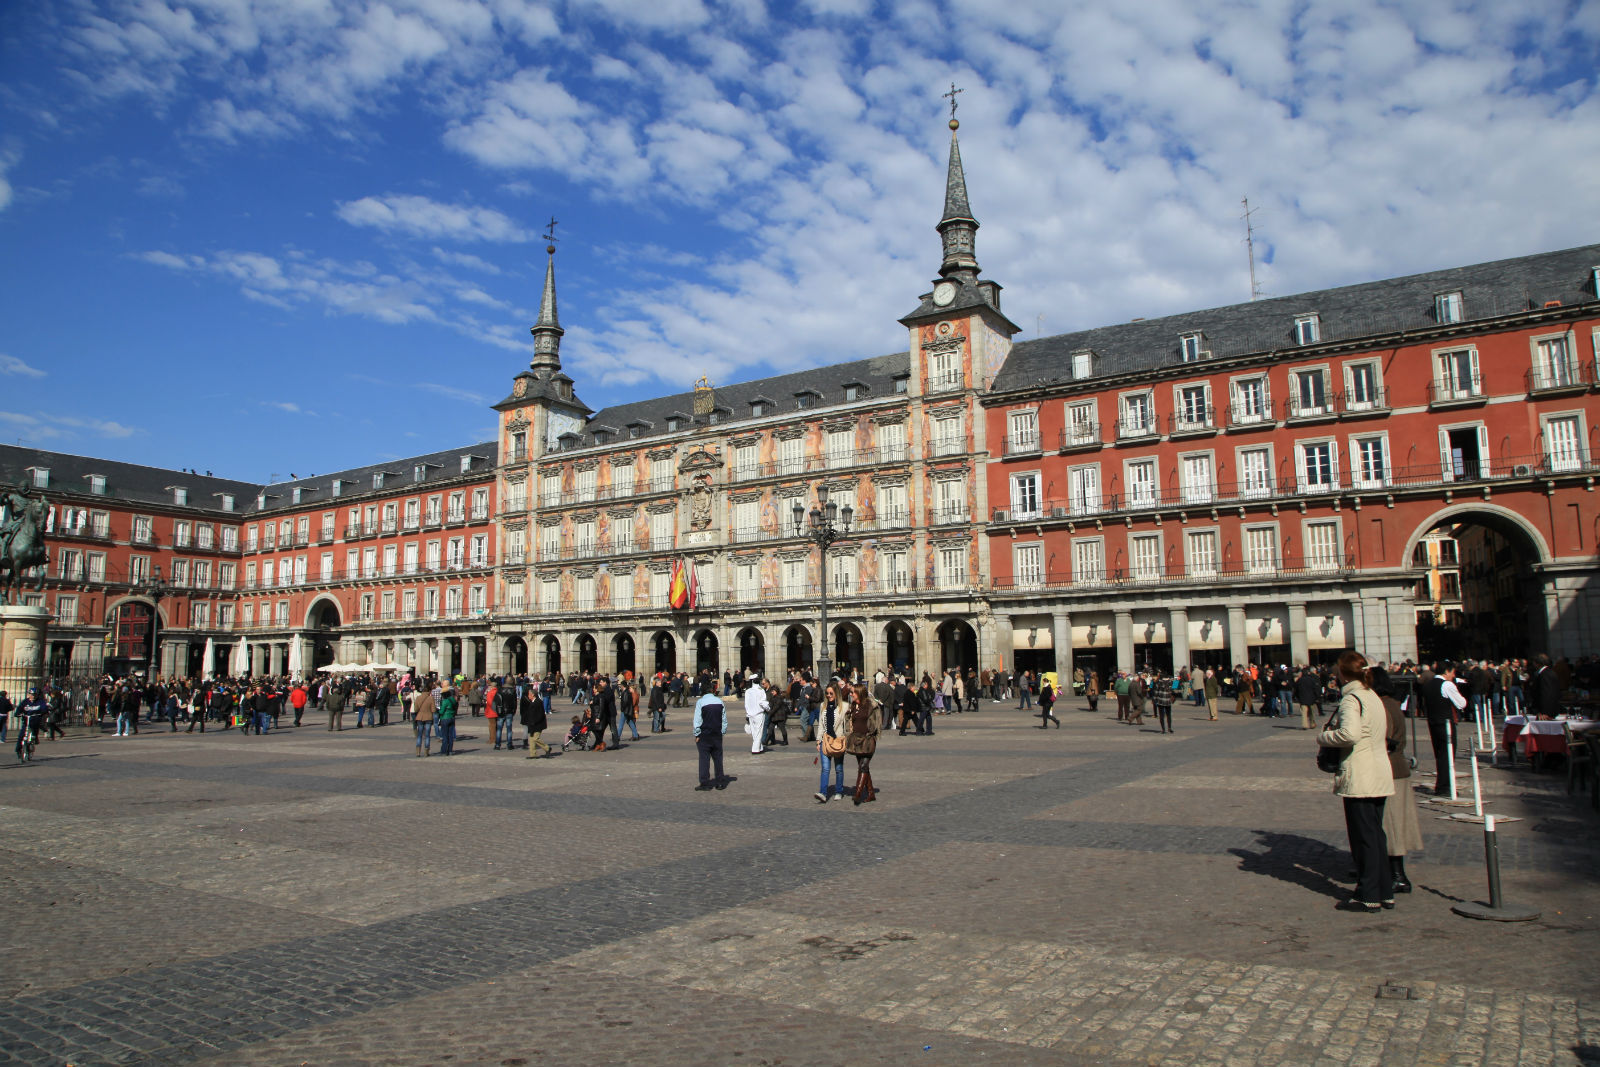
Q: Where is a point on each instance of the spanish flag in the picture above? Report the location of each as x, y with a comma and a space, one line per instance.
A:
681, 591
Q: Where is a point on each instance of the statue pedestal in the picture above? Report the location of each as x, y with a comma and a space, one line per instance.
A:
22, 645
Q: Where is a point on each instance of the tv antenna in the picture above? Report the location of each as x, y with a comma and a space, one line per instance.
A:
1250, 244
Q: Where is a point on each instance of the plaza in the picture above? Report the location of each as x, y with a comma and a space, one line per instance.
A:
1095, 894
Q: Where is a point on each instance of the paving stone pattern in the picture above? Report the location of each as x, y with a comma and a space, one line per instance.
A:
1094, 894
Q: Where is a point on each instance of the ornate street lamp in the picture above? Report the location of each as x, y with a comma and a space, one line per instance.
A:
827, 523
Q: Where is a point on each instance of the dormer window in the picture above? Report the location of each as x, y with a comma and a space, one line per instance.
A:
377, 479
419, 472
672, 424
1447, 308
602, 437
466, 464
294, 495
635, 430
757, 409
1307, 330
854, 391
97, 484
338, 486
902, 385
1191, 346
227, 501
1082, 364
180, 496
261, 501
806, 399
41, 477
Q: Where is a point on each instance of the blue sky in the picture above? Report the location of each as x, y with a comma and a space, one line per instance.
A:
273, 236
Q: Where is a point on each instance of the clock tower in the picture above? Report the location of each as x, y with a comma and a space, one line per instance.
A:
542, 405
959, 337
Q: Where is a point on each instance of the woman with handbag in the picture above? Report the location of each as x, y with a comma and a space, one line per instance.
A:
833, 723
1363, 780
862, 742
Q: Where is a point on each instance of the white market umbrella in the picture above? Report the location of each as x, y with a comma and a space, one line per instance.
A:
296, 657
210, 657
241, 658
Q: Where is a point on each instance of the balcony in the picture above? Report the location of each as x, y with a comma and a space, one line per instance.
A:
1081, 437
1192, 422
945, 382
1101, 577
1023, 444
1571, 377
1457, 391
325, 536
352, 532
950, 514
1314, 408
1250, 417
1137, 429
1352, 405
479, 513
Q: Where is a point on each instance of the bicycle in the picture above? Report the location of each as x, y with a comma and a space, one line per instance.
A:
27, 741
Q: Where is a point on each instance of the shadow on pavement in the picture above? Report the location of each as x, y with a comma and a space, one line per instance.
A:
1299, 860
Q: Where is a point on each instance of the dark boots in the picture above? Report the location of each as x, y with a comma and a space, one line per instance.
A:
1397, 867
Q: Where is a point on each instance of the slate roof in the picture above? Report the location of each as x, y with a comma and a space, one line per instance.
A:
778, 392
135, 483
1488, 290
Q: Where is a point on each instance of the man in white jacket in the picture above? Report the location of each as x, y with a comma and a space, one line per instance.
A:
755, 711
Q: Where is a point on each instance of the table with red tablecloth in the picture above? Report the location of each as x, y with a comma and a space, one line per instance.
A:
1537, 738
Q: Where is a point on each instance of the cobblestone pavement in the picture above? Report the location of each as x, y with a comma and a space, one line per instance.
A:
1097, 894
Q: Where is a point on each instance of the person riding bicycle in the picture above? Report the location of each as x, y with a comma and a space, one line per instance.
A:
33, 711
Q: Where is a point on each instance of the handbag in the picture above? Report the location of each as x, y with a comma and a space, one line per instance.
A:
1330, 758
832, 746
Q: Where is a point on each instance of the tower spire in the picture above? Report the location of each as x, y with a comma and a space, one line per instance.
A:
547, 330
957, 227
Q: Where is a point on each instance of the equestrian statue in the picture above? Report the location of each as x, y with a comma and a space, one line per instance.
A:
21, 542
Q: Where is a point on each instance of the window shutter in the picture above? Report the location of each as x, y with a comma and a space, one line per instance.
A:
1448, 468
1484, 463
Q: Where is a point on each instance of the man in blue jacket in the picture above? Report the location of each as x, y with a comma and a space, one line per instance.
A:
710, 723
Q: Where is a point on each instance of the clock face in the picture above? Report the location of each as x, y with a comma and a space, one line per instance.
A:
943, 293
520, 388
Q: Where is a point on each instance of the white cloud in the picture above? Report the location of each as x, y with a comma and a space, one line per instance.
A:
464, 259
454, 393
58, 427
288, 407
418, 216
8, 160
14, 366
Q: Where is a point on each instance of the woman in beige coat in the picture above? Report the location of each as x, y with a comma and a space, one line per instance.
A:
1363, 780
862, 741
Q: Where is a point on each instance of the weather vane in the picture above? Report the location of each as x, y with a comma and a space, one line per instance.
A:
951, 96
549, 236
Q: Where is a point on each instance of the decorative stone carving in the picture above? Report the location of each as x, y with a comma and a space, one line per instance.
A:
700, 503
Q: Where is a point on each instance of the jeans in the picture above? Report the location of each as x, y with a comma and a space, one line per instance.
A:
835, 764
1479, 702
1025, 699
424, 734
505, 730
710, 747
658, 719
447, 737
263, 722
1515, 704
361, 713
633, 727
122, 724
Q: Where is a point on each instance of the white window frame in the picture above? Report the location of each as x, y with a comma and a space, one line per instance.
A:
1253, 564
1077, 430
1375, 402
1150, 428
1299, 408
1333, 559
1088, 571
1026, 485
1449, 308
1022, 430
1547, 375
1302, 450
1307, 329
1148, 568
1184, 418
1359, 478
1133, 499
1197, 494
1193, 566
1570, 460
1191, 347
1448, 387
1085, 491
1242, 484
1027, 564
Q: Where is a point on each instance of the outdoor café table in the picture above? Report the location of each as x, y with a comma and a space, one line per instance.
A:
1540, 737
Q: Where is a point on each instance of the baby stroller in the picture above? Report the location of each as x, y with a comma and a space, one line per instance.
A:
583, 735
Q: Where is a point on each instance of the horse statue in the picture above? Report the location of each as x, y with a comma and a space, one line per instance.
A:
21, 542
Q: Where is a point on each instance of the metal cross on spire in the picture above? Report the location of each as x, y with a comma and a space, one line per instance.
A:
951, 96
549, 236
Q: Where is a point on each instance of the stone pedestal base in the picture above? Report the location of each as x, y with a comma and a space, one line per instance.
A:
22, 645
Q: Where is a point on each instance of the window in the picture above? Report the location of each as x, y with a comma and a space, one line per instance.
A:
180, 572
302, 530
204, 536
1199, 485
791, 455
622, 590
1082, 427
141, 530
746, 520
1082, 364
663, 527
480, 503
180, 496
1194, 407
200, 615
519, 447
300, 570
804, 401
1261, 549
390, 560
326, 570
1252, 400
282, 616
1190, 347
1553, 365
1319, 466
247, 615
230, 539
1255, 472
1022, 431
1458, 375
1144, 554
586, 484
895, 566
892, 509
1141, 481
946, 371
516, 500
1088, 561
1310, 396
745, 583
950, 500
432, 554
1307, 330
455, 554
458, 501
947, 434
67, 610
97, 566
836, 442
757, 409
337, 487
550, 542
430, 603
41, 477
744, 459
227, 498
1025, 496
1361, 387
369, 562
1083, 490
1371, 457
1322, 546
69, 565
1201, 546
1138, 415
891, 439
432, 512
267, 569
622, 533
549, 594
622, 481
225, 573
794, 578
1563, 442
180, 535
661, 474
842, 573
583, 538
583, 592
1447, 308
852, 392
97, 486
952, 566
1027, 564
452, 601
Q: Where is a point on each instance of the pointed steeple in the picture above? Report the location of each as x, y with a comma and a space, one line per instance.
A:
547, 331
958, 228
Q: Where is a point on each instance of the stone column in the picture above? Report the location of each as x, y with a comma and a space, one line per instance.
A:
172, 658
1061, 635
1299, 643
496, 662
1124, 638
1178, 636
469, 657
874, 646
925, 635
605, 653
1237, 649
22, 648
999, 650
